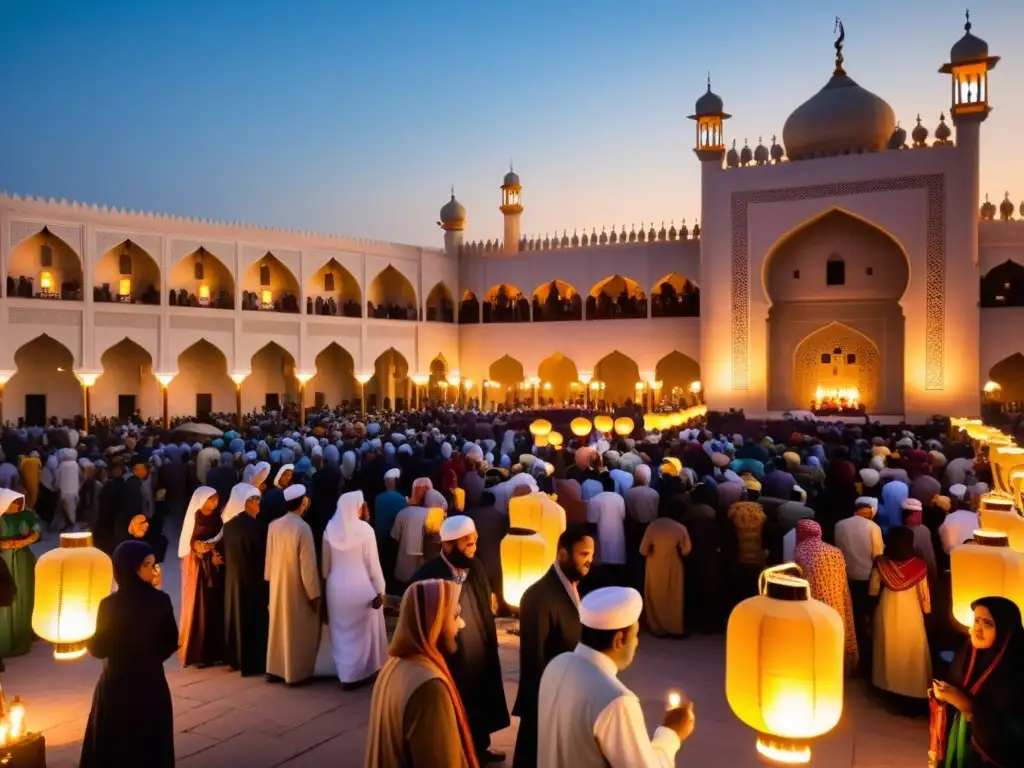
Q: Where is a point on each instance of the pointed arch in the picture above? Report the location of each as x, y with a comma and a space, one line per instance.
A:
469, 309
271, 383
202, 384
557, 300
1003, 285
559, 379
392, 296
837, 357
127, 384
676, 372
201, 279
1008, 373
332, 290
269, 285
44, 384
440, 304
619, 373
504, 303
334, 383
508, 373
389, 386
616, 298
127, 273
44, 266
675, 296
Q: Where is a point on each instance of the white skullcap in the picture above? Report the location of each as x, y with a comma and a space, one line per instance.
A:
912, 504
869, 477
457, 526
393, 474
611, 608
642, 473
957, 491
293, 492
866, 501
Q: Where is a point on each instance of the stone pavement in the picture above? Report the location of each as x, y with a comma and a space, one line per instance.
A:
223, 720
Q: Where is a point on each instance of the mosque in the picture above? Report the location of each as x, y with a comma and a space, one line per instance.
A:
830, 268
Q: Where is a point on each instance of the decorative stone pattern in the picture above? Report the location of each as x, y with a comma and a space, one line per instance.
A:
31, 316
124, 320
196, 323
269, 326
107, 240
809, 371
70, 234
935, 263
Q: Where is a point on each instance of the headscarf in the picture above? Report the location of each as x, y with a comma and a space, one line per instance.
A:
188, 525
7, 498
128, 558
425, 607
420, 486
29, 467
256, 474
342, 532
900, 566
240, 494
894, 493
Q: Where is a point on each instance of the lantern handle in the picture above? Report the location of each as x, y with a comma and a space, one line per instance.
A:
762, 580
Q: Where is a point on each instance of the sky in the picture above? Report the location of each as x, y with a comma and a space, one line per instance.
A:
356, 118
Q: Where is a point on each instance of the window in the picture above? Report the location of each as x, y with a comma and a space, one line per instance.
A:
319, 399
837, 351
796, 274
835, 272
329, 282
851, 359
272, 402
826, 358
204, 404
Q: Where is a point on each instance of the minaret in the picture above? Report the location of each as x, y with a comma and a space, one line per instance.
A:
709, 115
453, 222
512, 208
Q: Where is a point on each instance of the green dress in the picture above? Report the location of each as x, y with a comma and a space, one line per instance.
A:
21, 529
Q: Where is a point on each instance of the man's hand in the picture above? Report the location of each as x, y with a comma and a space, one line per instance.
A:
681, 720
377, 603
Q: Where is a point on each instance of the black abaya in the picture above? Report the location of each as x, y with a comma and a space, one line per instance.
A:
246, 595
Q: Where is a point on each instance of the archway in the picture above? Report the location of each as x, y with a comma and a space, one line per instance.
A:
201, 279
619, 373
508, 374
392, 296
505, 303
616, 298
440, 304
389, 387
676, 372
269, 286
675, 296
202, 385
44, 384
1003, 285
1008, 373
469, 309
559, 379
334, 382
557, 300
127, 385
438, 383
332, 290
272, 383
44, 266
127, 273
836, 359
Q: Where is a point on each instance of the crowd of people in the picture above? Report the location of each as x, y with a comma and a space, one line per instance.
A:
297, 539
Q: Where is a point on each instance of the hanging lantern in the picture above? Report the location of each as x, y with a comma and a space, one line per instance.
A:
541, 513
555, 440
784, 666
623, 426
523, 562
581, 427
70, 583
986, 567
541, 441
540, 427
603, 423
1004, 459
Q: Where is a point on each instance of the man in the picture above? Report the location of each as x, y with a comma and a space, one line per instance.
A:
492, 527
222, 477
272, 504
416, 715
959, 525
549, 624
294, 593
860, 540
385, 509
642, 503
588, 718
474, 665
247, 622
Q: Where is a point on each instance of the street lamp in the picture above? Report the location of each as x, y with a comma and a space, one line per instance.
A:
165, 380
87, 379
238, 378
362, 378
420, 380
695, 389
534, 382
303, 380
455, 380
585, 377
467, 385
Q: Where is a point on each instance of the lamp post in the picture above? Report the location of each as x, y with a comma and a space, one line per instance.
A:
585, 378
467, 385
303, 380
238, 378
655, 396
641, 394
534, 382
165, 380
87, 379
5, 376
420, 380
695, 389
454, 379
362, 378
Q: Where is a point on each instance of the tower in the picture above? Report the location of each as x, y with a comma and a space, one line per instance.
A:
512, 208
709, 115
453, 222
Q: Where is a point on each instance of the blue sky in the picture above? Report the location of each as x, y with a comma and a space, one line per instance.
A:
356, 118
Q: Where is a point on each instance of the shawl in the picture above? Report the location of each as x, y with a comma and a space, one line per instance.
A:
899, 576
200, 497
342, 532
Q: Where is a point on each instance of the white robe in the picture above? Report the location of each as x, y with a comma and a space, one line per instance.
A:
408, 532
901, 663
608, 510
294, 581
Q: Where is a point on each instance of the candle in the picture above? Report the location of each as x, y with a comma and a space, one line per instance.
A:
17, 716
674, 700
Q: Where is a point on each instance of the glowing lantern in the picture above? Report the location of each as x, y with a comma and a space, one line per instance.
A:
540, 513
541, 441
70, 583
265, 297
986, 567
603, 423
124, 286
1005, 521
623, 426
540, 427
784, 666
581, 426
459, 499
1004, 459
432, 521
556, 440
523, 562
204, 292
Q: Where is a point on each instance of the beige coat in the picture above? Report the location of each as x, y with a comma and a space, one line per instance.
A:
294, 581
665, 544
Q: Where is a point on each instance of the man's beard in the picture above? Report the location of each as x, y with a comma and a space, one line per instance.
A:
570, 571
459, 559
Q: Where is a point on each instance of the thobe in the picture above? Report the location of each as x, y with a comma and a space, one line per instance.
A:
549, 624
642, 503
473, 483
272, 505
247, 621
408, 532
589, 719
608, 511
902, 662
665, 544
475, 667
294, 581
107, 515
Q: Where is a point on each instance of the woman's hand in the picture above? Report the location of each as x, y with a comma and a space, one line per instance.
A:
218, 558
953, 696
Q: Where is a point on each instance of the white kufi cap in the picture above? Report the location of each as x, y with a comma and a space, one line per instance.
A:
611, 608
457, 526
293, 492
393, 474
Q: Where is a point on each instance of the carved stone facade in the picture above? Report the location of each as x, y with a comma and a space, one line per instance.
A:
852, 361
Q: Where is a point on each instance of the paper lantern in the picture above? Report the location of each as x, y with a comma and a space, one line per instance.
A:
556, 440
541, 441
523, 562
1005, 521
541, 513
70, 583
784, 666
459, 499
581, 426
623, 426
603, 423
540, 427
1004, 459
986, 567
432, 521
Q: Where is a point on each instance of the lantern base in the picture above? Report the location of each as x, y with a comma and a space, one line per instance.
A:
29, 752
68, 651
778, 750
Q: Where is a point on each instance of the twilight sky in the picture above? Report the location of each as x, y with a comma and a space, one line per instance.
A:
356, 117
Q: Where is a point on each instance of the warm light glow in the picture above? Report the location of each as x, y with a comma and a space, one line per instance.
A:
468, 384
17, 718
547, 386
4, 378
674, 700
362, 378
991, 386
842, 397
46, 281
585, 376
555, 440
623, 426
695, 387
454, 379
603, 423
778, 753
540, 513
87, 379
581, 426
420, 379
523, 562
982, 568
304, 377
238, 378
204, 292
639, 386
165, 379
540, 427
265, 297
124, 286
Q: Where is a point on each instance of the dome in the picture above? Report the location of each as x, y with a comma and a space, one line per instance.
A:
453, 211
942, 133
746, 155
709, 104
1006, 208
988, 209
840, 119
919, 134
511, 178
761, 155
968, 48
732, 157
898, 140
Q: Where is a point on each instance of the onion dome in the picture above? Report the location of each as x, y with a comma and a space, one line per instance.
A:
683, 231
564, 242
709, 103
546, 241
841, 119
662, 234
898, 140
919, 134
641, 236
672, 234
575, 241
746, 156
453, 214
522, 243
968, 48
604, 237
732, 157
1006, 208
614, 236
651, 234
988, 210
777, 152
942, 133
632, 232
511, 178
696, 231
760, 152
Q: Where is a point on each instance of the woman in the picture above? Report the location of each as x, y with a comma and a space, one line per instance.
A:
19, 529
902, 664
131, 721
665, 543
983, 724
355, 592
202, 582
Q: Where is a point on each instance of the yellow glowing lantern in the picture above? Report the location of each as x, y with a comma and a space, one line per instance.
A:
540, 513
540, 427
581, 427
555, 440
265, 297
432, 522
541, 441
986, 567
1004, 520
204, 292
523, 562
46, 281
70, 583
784, 666
124, 286
603, 423
459, 499
1004, 459
623, 426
